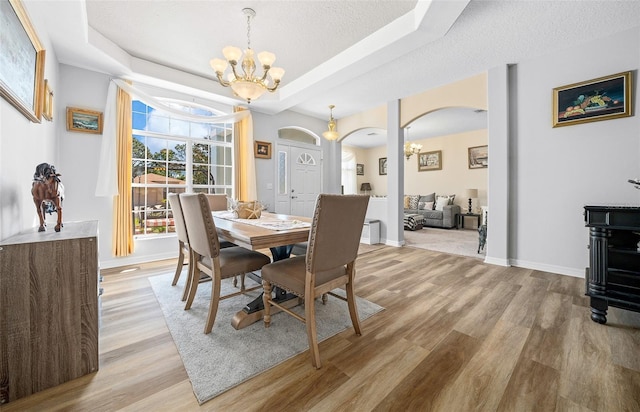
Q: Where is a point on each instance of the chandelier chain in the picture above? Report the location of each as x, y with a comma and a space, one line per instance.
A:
248, 31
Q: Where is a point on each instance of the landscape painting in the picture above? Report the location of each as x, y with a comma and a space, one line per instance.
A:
478, 157
85, 121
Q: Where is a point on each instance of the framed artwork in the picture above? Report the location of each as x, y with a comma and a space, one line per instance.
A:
604, 98
84, 121
382, 166
360, 169
47, 110
262, 150
21, 61
430, 161
478, 157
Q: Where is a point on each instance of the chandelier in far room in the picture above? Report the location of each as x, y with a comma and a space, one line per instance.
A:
332, 133
247, 84
411, 148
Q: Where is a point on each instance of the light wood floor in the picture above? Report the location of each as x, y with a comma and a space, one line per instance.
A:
456, 335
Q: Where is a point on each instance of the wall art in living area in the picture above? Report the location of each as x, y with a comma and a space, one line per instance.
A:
360, 169
84, 121
478, 157
21, 61
382, 166
430, 161
604, 98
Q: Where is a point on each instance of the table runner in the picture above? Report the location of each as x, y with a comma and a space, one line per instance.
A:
272, 223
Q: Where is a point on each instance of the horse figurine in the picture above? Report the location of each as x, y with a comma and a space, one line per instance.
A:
46, 191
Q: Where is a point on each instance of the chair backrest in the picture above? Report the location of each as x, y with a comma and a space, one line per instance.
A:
335, 231
203, 238
217, 201
178, 217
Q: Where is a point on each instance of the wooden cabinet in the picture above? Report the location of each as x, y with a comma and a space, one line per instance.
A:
613, 276
48, 308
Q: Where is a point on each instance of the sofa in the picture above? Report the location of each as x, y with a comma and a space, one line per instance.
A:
437, 211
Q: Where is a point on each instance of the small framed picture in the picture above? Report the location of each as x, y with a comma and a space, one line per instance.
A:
360, 169
262, 150
478, 157
47, 109
430, 161
382, 166
84, 121
604, 98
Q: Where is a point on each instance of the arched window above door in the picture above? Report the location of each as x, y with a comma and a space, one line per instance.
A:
306, 159
298, 134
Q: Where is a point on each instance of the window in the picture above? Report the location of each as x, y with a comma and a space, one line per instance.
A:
172, 155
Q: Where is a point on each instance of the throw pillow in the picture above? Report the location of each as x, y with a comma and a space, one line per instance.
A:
441, 202
413, 202
428, 198
451, 198
406, 202
425, 205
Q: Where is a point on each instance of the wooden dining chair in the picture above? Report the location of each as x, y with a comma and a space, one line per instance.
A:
183, 240
209, 259
218, 202
328, 264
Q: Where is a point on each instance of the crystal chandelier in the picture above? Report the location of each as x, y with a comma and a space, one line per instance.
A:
247, 85
332, 133
411, 148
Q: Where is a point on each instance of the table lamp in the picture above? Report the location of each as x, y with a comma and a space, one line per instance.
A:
471, 194
365, 187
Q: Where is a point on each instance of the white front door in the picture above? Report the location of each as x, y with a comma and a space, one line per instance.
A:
298, 179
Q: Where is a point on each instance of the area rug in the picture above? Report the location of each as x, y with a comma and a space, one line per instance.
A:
227, 357
457, 242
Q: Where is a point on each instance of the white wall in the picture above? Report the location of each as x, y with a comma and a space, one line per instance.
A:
265, 128
24, 145
556, 171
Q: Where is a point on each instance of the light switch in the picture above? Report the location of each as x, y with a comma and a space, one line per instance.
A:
270, 186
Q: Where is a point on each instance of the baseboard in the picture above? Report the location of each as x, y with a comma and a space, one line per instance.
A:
392, 243
560, 270
496, 261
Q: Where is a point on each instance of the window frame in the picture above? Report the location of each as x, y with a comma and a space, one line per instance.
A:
228, 152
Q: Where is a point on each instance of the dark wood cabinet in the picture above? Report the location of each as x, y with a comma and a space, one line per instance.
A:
613, 275
48, 308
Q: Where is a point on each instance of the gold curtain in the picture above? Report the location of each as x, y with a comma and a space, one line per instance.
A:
122, 219
245, 176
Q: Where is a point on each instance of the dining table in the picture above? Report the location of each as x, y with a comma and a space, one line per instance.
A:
273, 231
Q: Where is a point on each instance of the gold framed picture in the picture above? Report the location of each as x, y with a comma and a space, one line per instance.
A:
22, 68
430, 161
262, 150
478, 157
604, 98
47, 110
84, 121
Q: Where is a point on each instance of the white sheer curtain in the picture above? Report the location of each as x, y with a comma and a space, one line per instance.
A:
107, 174
349, 183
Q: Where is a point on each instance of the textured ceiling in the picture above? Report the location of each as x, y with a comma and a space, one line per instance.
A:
356, 54
187, 34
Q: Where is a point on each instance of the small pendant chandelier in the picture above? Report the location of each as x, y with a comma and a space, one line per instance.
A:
247, 85
411, 148
332, 133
